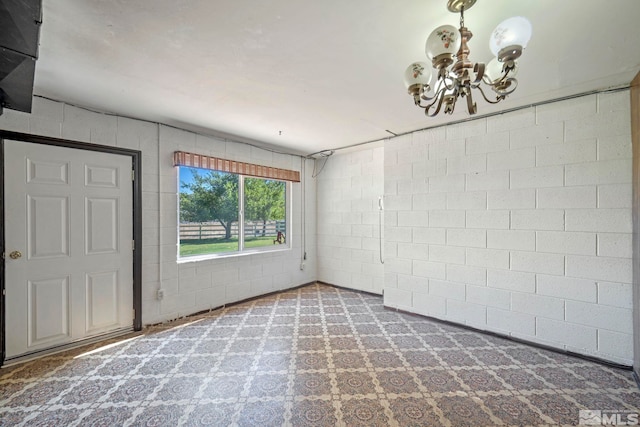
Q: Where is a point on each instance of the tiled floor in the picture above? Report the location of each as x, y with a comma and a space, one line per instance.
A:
314, 356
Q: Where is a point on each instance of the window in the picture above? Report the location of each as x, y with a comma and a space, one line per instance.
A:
226, 213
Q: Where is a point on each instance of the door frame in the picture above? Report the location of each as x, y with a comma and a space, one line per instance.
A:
136, 163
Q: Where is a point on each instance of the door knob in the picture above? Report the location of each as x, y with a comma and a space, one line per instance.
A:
15, 255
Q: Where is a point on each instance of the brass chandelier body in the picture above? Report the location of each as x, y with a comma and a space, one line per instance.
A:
457, 76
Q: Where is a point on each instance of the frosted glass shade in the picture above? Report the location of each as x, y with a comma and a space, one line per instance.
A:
515, 31
493, 70
417, 73
444, 39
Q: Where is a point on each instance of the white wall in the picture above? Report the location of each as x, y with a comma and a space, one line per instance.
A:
348, 219
193, 286
519, 224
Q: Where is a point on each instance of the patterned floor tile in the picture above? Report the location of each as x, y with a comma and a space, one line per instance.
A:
211, 414
559, 377
420, 358
262, 414
312, 356
348, 360
512, 411
154, 366
439, 381
527, 356
480, 380
278, 344
354, 383
271, 362
58, 417
407, 341
333, 330
36, 369
244, 346
463, 411
343, 343
414, 412
13, 418
311, 413
558, 408
396, 382
121, 365
492, 357
196, 364
316, 384
269, 385
179, 388
310, 344
134, 390
225, 387
311, 361
385, 359
235, 363
88, 391
457, 358
520, 379
159, 415
40, 394
108, 416
80, 367
363, 412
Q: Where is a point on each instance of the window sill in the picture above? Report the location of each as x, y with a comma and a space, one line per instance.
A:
210, 257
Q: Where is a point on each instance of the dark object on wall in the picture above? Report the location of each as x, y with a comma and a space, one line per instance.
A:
20, 22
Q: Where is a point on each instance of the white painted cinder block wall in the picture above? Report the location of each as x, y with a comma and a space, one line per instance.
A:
518, 224
521, 224
193, 286
348, 188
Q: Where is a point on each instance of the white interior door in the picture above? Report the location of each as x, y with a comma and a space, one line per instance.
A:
68, 243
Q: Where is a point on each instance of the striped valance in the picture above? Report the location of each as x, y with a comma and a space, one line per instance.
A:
181, 158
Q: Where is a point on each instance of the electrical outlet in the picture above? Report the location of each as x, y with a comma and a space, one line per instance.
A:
302, 265
160, 294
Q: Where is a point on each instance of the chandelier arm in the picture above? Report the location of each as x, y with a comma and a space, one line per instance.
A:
438, 98
511, 84
498, 98
431, 100
451, 106
453, 86
471, 106
478, 69
436, 91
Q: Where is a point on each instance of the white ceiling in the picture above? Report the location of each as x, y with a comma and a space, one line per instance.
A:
309, 75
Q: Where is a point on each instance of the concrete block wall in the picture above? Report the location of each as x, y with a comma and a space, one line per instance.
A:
189, 286
348, 219
519, 224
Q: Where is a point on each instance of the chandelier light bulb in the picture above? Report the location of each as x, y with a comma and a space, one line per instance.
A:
493, 71
418, 73
512, 33
443, 40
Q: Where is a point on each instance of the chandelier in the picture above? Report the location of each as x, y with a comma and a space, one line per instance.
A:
457, 76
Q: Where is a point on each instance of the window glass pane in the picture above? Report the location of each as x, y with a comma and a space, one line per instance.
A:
264, 213
208, 212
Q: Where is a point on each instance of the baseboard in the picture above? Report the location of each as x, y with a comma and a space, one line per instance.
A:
231, 304
521, 341
348, 289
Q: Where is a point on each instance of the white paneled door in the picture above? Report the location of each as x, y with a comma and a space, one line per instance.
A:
68, 243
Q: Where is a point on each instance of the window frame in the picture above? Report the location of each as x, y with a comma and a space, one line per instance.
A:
242, 251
